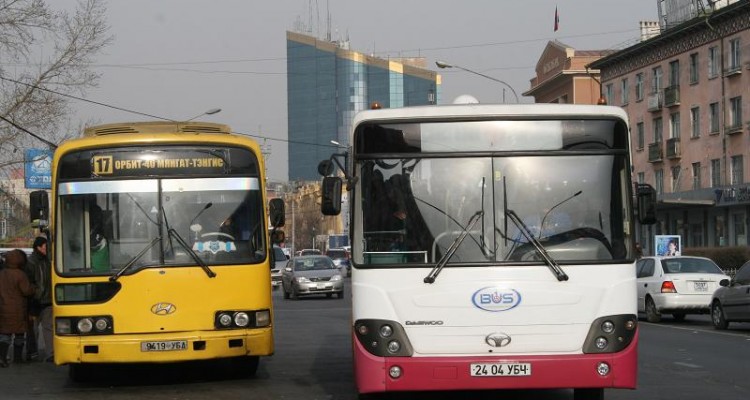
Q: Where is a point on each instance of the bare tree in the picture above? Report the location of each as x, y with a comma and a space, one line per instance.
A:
44, 55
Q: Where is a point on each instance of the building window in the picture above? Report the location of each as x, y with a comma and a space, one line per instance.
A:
695, 122
639, 135
3, 228
713, 62
694, 68
639, 86
734, 55
674, 73
720, 231
713, 117
656, 80
737, 170
624, 91
674, 125
676, 179
658, 130
659, 181
696, 175
738, 220
609, 93
715, 172
735, 112
641, 177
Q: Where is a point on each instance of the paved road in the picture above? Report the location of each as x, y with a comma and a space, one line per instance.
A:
688, 360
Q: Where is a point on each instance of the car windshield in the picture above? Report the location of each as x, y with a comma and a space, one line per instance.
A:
313, 264
683, 265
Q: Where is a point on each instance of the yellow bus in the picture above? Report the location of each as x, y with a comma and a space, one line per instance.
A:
160, 246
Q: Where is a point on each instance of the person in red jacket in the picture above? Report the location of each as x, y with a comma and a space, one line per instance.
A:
15, 287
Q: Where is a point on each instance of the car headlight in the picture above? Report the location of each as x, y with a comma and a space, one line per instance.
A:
336, 278
302, 279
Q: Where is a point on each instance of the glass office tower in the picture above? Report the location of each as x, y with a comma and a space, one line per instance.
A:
327, 84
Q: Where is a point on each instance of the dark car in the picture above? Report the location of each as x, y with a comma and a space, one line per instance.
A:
340, 257
731, 302
308, 275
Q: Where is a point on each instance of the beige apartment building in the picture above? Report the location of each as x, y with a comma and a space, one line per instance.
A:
563, 75
686, 92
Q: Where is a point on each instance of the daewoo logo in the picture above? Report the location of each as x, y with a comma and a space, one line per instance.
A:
496, 299
163, 308
424, 322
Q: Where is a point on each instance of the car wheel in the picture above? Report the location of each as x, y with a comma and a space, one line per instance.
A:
652, 314
717, 316
340, 295
329, 295
679, 317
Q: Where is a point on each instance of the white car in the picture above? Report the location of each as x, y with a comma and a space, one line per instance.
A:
280, 260
676, 285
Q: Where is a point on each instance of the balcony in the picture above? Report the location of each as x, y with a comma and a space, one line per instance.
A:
734, 128
673, 148
733, 70
672, 96
654, 102
655, 151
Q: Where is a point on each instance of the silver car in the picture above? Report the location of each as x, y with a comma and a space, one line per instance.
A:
676, 285
307, 275
731, 302
279, 262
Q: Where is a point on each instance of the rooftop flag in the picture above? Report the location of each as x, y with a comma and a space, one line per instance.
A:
557, 19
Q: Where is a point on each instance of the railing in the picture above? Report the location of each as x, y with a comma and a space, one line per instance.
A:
655, 151
654, 101
672, 96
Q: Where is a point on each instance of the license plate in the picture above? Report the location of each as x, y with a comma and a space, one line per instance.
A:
501, 369
321, 286
701, 286
172, 345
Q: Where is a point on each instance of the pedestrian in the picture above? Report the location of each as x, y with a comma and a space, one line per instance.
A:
41, 269
14, 290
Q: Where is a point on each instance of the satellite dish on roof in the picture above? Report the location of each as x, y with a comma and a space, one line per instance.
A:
465, 99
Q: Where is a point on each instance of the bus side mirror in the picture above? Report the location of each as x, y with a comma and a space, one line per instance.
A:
276, 211
646, 202
39, 207
330, 203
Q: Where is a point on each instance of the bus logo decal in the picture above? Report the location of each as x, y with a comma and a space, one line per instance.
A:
495, 299
497, 339
163, 308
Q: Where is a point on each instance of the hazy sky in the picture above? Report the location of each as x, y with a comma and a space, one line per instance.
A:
178, 58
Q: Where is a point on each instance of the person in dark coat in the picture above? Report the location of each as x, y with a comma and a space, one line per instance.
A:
40, 306
15, 287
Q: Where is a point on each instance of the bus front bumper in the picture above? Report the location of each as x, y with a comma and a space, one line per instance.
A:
454, 373
163, 348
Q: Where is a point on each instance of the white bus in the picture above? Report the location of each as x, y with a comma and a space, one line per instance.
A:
492, 248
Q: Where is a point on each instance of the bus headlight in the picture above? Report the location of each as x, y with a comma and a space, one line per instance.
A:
383, 338
241, 319
225, 320
610, 334
93, 325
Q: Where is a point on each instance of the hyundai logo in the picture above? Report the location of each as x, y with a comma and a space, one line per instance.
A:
497, 339
163, 308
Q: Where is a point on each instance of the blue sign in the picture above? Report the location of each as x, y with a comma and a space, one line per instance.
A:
38, 169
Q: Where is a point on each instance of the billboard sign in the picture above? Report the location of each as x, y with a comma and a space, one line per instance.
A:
38, 169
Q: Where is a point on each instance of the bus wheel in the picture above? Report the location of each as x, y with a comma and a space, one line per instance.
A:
588, 394
652, 314
245, 367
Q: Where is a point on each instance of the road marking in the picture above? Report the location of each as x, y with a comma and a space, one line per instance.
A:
695, 330
684, 364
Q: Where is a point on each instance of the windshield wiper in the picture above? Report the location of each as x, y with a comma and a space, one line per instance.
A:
134, 259
430, 278
171, 232
551, 263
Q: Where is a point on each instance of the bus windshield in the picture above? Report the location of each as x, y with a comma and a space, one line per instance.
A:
414, 208
106, 225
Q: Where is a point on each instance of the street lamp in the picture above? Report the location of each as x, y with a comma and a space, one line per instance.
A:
209, 112
442, 64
